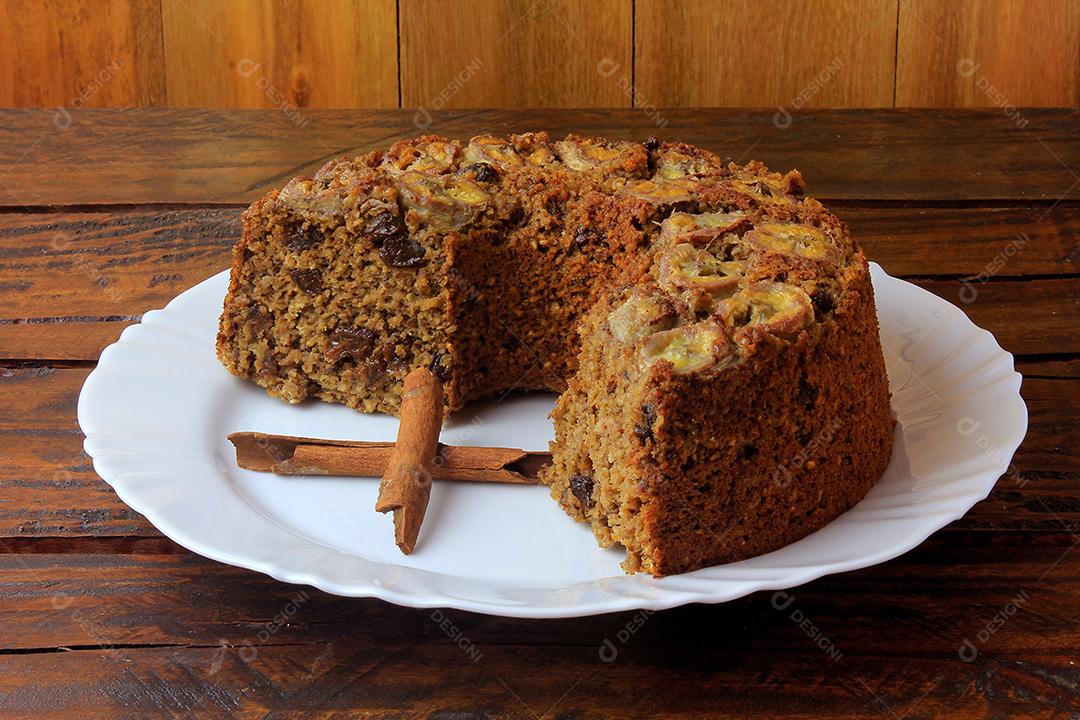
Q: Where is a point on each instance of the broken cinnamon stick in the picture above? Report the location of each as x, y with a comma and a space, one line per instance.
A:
291, 455
406, 485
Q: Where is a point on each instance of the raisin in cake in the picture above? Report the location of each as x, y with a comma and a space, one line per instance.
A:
712, 331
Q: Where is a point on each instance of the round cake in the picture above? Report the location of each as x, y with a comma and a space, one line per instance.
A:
712, 331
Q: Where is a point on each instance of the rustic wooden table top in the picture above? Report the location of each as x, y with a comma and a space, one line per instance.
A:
108, 214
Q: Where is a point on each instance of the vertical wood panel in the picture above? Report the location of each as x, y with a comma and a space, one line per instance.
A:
267, 53
515, 53
539, 53
80, 53
823, 53
978, 53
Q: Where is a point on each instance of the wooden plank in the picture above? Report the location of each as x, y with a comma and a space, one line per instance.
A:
66, 341
102, 264
80, 53
1026, 316
515, 53
87, 599
78, 278
1005, 242
1050, 444
989, 53
287, 56
48, 487
137, 627
234, 156
1052, 368
81, 277
1048, 308
146, 253
827, 53
343, 679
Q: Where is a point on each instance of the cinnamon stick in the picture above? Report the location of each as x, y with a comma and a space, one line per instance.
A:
406, 485
291, 455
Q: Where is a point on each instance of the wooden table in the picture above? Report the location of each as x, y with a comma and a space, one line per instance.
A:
108, 214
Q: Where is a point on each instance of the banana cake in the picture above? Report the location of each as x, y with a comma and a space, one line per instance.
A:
712, 331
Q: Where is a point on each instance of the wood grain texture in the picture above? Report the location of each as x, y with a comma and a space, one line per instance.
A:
983, 53
539, 53
284, 55
81, 53
89, 275
765, 53
48, 486
233, 156
388, 681
1006, 242
1050, 308
101, 616
514, 53
109, 264
142, 642
160, 599
78, 278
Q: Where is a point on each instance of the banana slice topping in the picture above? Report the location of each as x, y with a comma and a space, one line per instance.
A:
688, 268
790, 239
689, 348
699, 229
640, 315
778, 307
443, 202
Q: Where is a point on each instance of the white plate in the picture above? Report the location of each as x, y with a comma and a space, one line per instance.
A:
158, 407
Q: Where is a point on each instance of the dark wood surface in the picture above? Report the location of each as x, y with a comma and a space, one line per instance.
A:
101, 616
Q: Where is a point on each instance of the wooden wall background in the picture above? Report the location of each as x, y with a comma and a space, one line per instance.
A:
439, 54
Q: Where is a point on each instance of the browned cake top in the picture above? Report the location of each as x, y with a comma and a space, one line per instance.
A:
736, 252
721, 281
